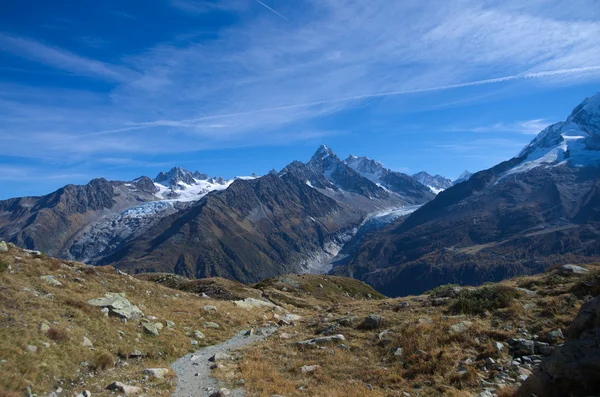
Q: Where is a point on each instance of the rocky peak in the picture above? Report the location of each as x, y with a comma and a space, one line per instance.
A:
365, 166
463, 177
174, 177
202, 177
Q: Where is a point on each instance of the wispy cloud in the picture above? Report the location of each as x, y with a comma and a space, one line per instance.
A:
529, 127
62, 59
272, 10
260, 78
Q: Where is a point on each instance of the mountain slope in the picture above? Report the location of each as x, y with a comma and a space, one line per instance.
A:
254, 229
436, 183
517, 217
50, 222
410, 190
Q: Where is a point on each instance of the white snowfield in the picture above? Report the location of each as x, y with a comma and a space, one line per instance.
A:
184, 192
575, 142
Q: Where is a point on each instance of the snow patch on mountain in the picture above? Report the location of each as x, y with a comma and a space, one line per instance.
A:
435, 183
575, 142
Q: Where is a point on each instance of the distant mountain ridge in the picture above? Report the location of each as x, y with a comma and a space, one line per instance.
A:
244, 228
519, 217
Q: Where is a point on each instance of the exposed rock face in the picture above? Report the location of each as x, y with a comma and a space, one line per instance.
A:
573, 368
50, 223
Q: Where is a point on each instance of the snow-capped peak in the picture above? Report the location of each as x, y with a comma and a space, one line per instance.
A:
174, 177
463, 177
435, 183
322, 153
368, 168
574, 142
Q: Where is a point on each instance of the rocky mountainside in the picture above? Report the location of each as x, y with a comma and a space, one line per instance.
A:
50, 223
411, 190
519, 217
245, 228
436, 183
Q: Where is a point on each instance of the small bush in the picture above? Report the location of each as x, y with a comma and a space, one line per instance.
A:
3, 265
58, 334
103, 360
443, 291
588, 285
483, 299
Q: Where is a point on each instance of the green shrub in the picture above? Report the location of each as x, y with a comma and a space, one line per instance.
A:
3, 265
443, 290
483, 299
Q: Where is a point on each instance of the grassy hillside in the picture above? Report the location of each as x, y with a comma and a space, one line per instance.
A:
51, 356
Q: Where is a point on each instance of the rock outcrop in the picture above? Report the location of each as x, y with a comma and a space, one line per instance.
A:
572, 370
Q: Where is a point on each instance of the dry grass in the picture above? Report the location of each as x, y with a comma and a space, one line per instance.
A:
364, 365
26, 301
431, 354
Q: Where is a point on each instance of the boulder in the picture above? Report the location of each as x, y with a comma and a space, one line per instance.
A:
251, 303
567, 270
123, 388
210, 324
461, 327
170, 324
210, 309
156, 373
86, 342
307, 369
150, 328
50, 280
372, 321
322, 340
85, 393
572, 369
43, 327
3, 246
118, 305
198, 334
219, 357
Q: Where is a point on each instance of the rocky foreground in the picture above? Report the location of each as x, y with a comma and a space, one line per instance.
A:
69, 329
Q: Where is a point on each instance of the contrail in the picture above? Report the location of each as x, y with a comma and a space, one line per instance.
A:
522, 76
270, 9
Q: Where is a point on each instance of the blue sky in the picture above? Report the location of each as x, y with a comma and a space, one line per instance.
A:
121, 89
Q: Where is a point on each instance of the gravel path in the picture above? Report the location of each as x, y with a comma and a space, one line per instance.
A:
193, 370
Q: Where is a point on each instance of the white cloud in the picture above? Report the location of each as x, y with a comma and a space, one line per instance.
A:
262, 80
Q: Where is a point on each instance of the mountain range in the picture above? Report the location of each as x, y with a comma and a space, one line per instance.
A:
402, 234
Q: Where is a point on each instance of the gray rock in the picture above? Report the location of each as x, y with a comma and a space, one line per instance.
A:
372, 321
32, 348
573, 367
170, 324
3, 246
251, 303
210, 324
307, 369
219, 357
123, 388
399, 352
461, 327
322, 340
555, 335
566, 270
157, 373
85, 393
150, 328
118, 305
86, 342
43, 327
198, 334
523, 347
210, 308
50, 280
